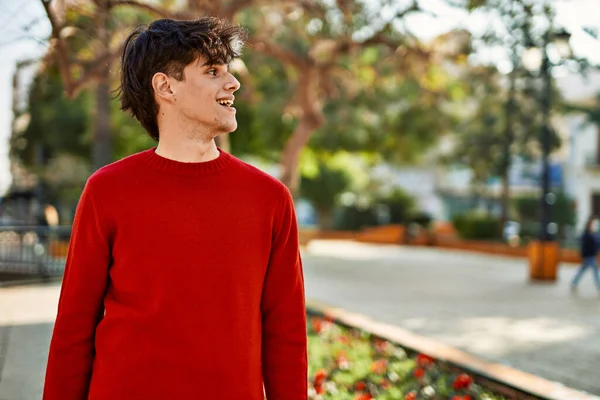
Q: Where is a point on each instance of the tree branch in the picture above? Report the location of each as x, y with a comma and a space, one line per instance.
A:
58, 46
273, 50
92, 71
380, 37
161, 12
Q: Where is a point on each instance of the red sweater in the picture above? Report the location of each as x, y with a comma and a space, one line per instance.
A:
183, 281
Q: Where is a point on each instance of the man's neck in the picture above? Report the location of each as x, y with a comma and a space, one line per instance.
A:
187, 150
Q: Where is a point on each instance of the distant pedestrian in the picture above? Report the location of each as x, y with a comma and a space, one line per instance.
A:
589, 251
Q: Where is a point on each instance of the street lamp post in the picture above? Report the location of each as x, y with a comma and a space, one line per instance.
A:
546, 102
545, 259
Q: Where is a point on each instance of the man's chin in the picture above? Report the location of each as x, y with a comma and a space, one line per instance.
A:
227, 129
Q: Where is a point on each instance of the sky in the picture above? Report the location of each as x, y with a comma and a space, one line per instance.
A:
571, 14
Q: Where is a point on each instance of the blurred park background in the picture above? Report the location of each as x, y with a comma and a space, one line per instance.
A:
372, 112
471, 125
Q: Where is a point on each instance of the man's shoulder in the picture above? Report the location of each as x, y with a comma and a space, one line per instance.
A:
118, 171
261, 180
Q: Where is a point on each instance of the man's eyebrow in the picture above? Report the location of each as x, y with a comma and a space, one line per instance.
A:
209, 64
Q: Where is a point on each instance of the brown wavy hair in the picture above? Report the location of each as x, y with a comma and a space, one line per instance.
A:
168, 46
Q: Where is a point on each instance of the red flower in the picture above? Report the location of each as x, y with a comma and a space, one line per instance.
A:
386, 384
419, 373
411, 396
465, 397
316, 324
462, 381
319, 388
344, 339
379, 366
360, 386
320, 376
424, 361
381, 345
363, 396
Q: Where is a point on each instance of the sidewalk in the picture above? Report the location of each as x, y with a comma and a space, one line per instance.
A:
481, 304
26, 319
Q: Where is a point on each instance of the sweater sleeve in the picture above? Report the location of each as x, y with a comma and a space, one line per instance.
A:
284, 342
80, 306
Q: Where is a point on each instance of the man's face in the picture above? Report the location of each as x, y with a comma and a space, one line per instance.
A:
205, 97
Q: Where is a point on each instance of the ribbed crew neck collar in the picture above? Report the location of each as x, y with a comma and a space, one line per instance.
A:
187, 168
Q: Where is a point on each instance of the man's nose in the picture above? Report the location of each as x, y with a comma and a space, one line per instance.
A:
232, 84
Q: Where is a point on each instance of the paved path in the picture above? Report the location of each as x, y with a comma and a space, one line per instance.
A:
26, 319
480, 304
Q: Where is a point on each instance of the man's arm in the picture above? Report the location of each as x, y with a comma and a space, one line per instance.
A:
80, 306
283, 312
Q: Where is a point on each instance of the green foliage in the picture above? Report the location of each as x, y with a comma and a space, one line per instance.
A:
264, 123
478, 226
528, 210
401, 206
323, 186
354, 217
57, 124
129, 136
322, 190
421, 218
394, 117
506, 120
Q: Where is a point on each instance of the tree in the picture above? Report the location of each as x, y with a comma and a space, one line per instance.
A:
393, 118
317, 47
507, 119
319, 44
85, 39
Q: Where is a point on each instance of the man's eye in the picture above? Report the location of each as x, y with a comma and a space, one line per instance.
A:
213, 72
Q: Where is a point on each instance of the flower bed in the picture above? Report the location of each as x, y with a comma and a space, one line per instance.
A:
349, 364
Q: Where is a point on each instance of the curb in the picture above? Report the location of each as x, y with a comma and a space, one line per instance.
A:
29, 281
518, 381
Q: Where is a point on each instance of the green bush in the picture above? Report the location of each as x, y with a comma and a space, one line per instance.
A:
477, 226
401, 206
322, 190
353, 218
528, 210
421, 218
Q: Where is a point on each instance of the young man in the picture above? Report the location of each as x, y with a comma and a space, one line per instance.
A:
183, 278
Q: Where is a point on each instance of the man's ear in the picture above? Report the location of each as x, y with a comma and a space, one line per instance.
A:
161, 84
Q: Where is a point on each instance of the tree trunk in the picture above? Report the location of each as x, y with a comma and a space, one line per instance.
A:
102, 140
311, 120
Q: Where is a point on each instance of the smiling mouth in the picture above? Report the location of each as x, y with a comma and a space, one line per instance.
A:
225, 103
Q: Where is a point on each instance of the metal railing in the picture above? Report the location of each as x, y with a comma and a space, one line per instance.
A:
38, 251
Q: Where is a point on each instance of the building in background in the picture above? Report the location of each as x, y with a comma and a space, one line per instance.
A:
580, 152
